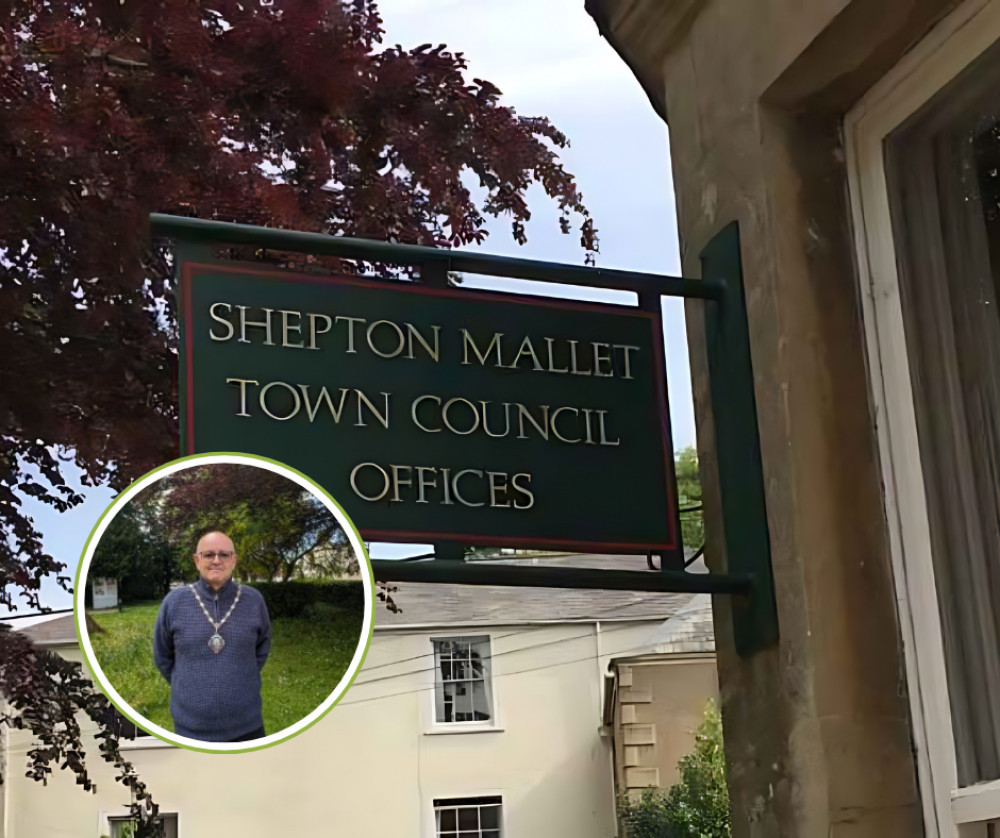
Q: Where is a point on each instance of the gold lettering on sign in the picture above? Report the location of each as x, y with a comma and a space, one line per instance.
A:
552, 364
471, 487
359, 493
454, 486
497, 489
526, 349
242, 382
625, 350
452, 428
543, 428
381, 417
398, 481
292, 329
599, 359
288, 389
573, 367
411, 333
314, 332
600, 421
324, 397
555, 430
350, 331
506, 416
468, 342
286, 327
446, 485
264, 324
413, 413
400, 345
211, 313
524, 490
586, 425
301, 394
423, 483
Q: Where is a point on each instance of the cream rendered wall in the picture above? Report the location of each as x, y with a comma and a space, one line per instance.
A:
328, 777
374, 765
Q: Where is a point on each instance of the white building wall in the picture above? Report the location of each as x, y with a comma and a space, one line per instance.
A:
375, 763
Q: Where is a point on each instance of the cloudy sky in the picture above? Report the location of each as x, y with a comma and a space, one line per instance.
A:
548, 60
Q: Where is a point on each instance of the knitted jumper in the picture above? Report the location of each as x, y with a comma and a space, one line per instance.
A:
213, 697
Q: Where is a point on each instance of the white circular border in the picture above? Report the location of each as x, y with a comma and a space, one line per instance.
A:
364, 640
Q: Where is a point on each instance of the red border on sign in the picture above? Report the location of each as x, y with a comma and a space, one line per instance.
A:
187, 276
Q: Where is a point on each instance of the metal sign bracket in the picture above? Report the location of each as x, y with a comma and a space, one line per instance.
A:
748, 575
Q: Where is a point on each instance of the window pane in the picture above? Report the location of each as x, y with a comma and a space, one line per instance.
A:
462, 688
489, 817
943, 183
480, 705
447, 820
477, 666
468, 818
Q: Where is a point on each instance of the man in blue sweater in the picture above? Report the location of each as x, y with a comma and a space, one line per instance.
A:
211, 641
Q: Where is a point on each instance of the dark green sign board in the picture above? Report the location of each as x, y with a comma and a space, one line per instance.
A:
461, 418
438, 414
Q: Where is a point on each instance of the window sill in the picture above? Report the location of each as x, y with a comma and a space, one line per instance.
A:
976, 804
145, 743
448, 730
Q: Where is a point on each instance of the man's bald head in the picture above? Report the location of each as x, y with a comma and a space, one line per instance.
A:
215, 559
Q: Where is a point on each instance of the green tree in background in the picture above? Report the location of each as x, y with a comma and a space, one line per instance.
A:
697, 806
689, 497
134, 551
279, 530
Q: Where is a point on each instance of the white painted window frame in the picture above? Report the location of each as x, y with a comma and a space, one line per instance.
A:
470, 797
107, 818
491, 726
949, 812
428, 810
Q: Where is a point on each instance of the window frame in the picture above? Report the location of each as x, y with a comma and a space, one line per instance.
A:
455, 799
955, 42
113, 818
490, 725
135, 738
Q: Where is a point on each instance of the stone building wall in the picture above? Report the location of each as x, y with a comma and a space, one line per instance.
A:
817, 726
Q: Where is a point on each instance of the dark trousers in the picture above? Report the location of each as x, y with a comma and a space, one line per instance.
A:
254, 734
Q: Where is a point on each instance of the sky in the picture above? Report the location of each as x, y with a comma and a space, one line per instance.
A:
548, 60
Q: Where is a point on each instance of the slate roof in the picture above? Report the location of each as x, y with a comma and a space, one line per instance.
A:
445, 605
690, 630
55, 629
441, 605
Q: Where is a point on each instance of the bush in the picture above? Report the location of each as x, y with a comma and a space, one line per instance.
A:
295, 599
698, 806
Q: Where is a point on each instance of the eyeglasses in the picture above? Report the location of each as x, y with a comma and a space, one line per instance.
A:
222, 555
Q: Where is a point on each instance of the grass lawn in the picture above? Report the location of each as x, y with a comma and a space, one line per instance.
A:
309, 655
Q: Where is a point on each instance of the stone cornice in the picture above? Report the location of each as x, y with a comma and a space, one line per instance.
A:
642, 32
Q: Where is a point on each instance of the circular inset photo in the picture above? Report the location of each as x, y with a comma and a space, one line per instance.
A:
224, 602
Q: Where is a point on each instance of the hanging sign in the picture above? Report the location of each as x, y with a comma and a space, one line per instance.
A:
437, 414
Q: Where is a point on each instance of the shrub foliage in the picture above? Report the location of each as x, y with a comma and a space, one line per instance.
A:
697, 806
293, 599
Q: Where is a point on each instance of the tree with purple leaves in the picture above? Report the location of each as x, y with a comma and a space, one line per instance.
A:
286, 113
